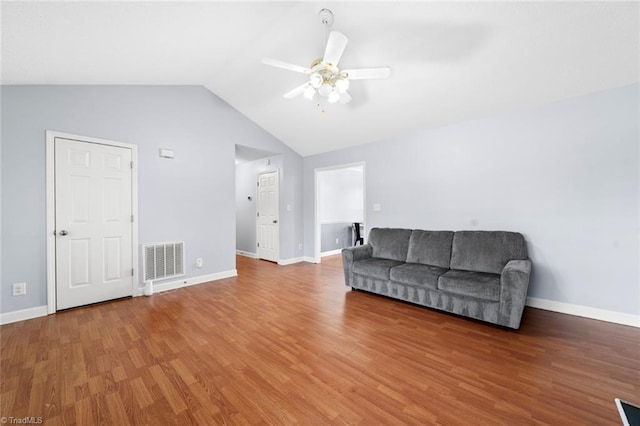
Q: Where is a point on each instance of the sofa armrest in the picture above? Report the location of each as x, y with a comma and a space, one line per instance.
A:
514, 284
353, 254
358, 252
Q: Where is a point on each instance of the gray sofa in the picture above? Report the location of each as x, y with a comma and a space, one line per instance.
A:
478, 274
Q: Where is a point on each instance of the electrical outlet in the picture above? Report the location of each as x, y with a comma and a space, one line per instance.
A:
19, 289
199, 262
299, 246
337, 240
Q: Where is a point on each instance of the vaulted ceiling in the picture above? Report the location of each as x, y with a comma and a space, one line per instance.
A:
451, 61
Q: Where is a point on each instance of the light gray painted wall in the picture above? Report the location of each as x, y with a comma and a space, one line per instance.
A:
330, 231
566, 175
341, 194
190, 198
246, 178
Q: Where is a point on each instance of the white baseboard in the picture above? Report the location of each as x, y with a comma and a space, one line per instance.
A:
291, 261
330, 253
247, 254
23, 315
584, 311
187, 282
311, 259
282, 262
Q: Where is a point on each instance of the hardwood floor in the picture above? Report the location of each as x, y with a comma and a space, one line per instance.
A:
292, 344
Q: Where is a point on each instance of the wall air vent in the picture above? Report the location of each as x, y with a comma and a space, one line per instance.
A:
163, 260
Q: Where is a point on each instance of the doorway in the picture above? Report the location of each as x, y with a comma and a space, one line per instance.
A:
250, 164
91, 220
339, 204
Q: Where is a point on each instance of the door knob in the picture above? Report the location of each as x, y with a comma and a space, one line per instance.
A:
63, 232
275, 221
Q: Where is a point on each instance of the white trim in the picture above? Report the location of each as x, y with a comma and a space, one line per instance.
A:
584, 311
247, 254
23, 315
330, 253
291, 261
201, 279
311, 259
316, 222
335, 222
50, 137
51, 217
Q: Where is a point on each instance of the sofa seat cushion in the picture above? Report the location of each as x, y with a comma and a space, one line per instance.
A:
479, 285
375, 267
417, 274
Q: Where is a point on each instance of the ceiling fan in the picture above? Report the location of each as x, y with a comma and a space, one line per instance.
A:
325, 78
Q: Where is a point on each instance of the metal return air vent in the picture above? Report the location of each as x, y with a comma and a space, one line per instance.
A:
163, 260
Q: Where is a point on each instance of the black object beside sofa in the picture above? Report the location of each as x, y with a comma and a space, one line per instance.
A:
478, 274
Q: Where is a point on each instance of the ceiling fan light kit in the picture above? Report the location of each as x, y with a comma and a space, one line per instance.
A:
326, 80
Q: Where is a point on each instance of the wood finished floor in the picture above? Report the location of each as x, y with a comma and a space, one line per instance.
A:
292, 344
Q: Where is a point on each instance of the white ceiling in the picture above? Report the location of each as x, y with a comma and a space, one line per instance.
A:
451, 61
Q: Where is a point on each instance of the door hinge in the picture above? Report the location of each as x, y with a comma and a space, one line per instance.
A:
257, 214
258, 183
131, 163
131, 218
132, 271
258, 244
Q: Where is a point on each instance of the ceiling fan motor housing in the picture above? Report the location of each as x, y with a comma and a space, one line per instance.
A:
327, 80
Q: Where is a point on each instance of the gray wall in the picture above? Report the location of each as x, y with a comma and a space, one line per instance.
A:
246, 178
330, 231
190, 198
341, 195
565, 174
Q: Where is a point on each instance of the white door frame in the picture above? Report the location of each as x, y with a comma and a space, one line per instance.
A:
51, 216
316, 208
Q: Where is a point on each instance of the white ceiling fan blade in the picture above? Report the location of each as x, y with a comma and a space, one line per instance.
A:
297, 91
368, 73
285, 65
335, 46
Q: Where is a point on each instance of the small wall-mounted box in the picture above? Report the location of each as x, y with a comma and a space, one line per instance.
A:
166, 153
19, 289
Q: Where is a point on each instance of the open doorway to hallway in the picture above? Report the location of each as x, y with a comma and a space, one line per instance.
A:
339, 208
254, 237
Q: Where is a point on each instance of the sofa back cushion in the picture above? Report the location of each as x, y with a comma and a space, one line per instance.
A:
390, 243
486, 251
430, 248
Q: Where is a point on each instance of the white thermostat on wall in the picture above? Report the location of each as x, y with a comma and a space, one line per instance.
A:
166, 153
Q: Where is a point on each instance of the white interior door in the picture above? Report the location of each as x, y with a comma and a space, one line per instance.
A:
93, 223
268, 216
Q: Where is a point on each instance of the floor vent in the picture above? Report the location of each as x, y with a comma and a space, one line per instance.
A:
163, 260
